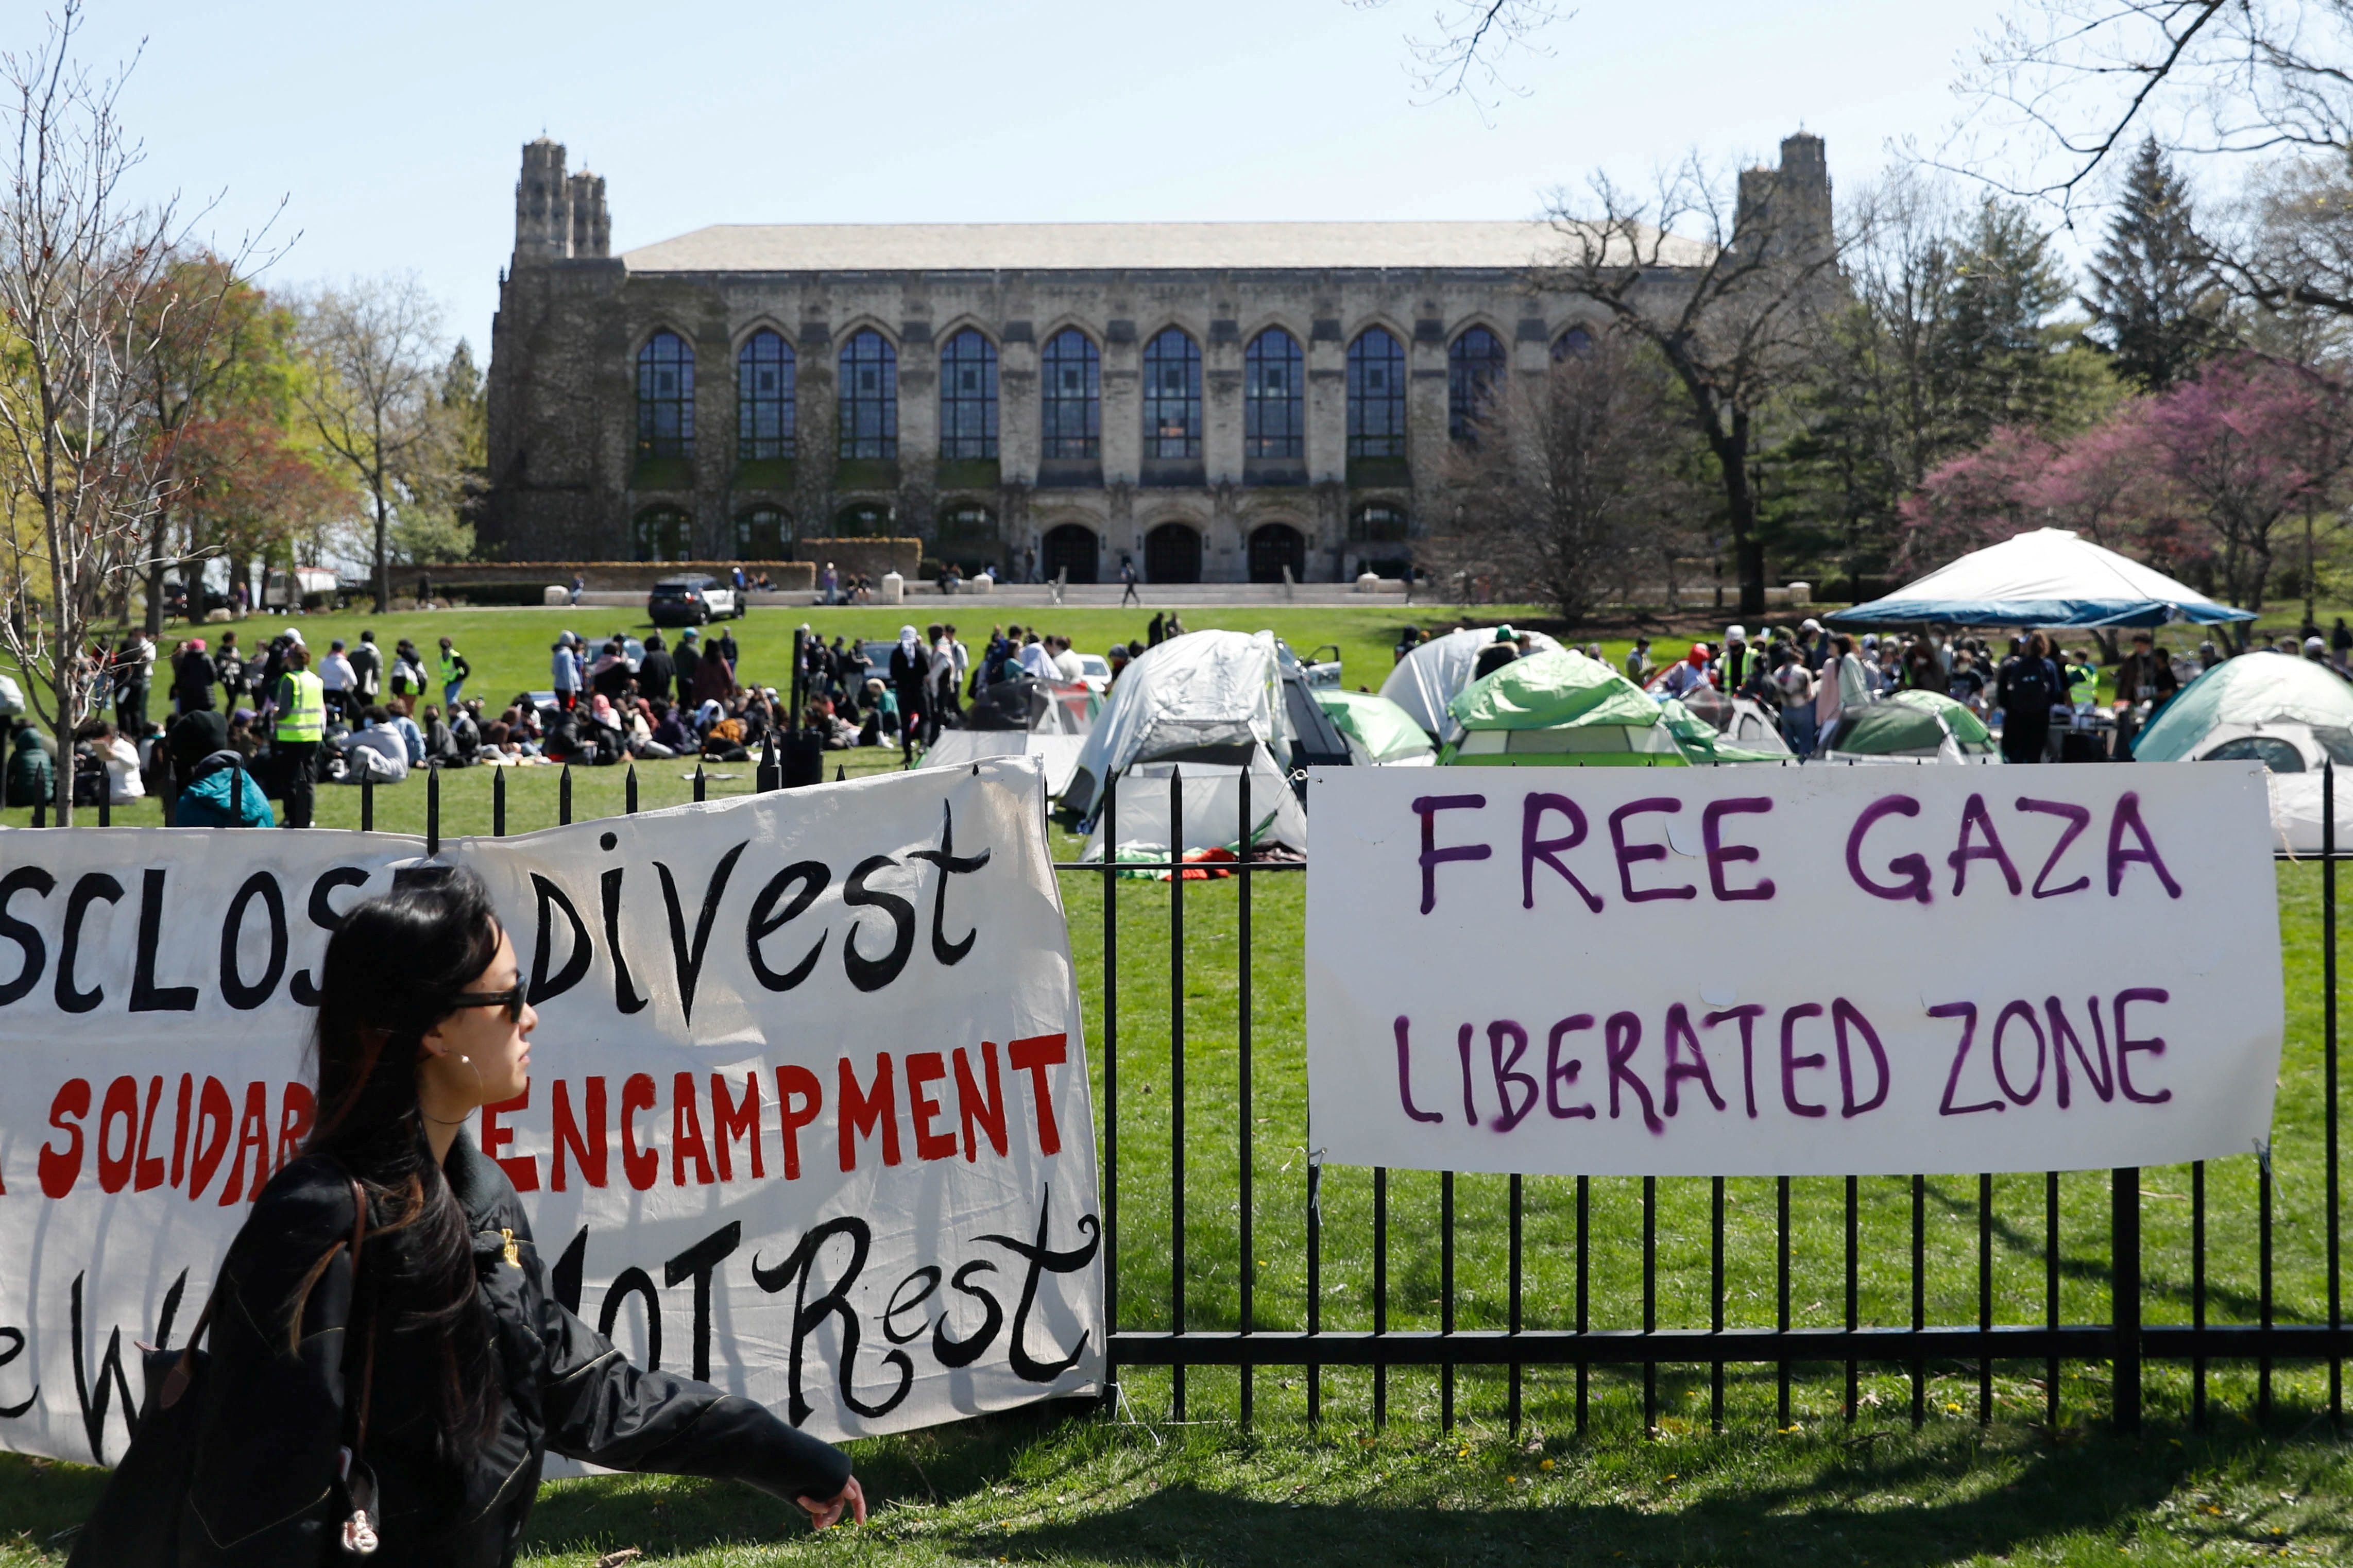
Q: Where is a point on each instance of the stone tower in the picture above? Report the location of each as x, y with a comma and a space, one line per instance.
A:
1788, 208
558, 217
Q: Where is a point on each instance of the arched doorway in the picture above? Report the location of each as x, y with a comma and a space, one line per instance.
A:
1172, 553
664, 533
1273, 547
1070, 547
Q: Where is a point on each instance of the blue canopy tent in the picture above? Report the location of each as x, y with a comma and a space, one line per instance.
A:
2048, 577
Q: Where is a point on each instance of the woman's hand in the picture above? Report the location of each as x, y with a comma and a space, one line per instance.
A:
825, 1512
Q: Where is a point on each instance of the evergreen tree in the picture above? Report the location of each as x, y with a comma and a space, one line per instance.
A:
2156, 304
1999, 362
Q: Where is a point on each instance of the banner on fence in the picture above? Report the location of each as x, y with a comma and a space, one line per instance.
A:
1815, 971
807, 1115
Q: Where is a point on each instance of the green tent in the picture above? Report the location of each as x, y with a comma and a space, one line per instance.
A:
1913, 723
1556, 710
1385, 731
2245, 694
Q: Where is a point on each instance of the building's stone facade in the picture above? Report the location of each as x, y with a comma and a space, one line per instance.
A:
571, 478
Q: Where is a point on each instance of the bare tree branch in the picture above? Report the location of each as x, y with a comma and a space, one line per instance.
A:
1473, 39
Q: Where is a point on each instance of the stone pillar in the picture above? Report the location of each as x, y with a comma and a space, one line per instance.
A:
1123, 404
918, 429
1020, 437
1221, 403
714, 439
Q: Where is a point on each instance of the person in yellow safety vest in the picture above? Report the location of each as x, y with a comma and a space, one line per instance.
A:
2083, 680
301, 704
454, 671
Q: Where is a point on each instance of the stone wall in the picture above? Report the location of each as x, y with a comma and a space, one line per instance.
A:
872, 556
457, 576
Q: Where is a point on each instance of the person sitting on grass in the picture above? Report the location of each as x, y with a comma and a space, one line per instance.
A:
217, 788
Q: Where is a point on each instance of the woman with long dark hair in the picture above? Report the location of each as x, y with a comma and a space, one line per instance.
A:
448, 1364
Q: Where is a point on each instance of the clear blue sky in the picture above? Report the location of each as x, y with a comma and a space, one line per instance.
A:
393, 131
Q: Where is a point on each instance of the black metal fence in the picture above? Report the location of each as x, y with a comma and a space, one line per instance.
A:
2123, 1341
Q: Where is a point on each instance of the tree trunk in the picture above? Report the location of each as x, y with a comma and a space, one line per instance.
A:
382, 556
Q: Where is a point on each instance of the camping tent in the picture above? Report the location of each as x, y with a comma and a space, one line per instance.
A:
1212, 806
1382, 732
1058, 754
1434, 674
1912, 726
2248, 697
2047, 577
1208, 695
1562, 709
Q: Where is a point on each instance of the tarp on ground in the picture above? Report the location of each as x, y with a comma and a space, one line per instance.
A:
1913, 725
1058, 754
2046, 577
1201, 689
1434, 674
1212, 807
2253, 688
1385, 731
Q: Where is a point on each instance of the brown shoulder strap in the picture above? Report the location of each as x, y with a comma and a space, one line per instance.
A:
367, 1356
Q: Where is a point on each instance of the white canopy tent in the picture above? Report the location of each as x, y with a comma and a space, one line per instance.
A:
2045, 577
1434, 674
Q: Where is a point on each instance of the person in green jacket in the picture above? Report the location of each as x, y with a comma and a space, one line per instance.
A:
32, 776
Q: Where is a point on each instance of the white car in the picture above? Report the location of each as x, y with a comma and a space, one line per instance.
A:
1094, 672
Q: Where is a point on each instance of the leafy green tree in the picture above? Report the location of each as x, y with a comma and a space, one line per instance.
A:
2154, 300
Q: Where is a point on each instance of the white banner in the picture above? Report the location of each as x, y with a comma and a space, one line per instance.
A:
1818, 971
808, 1116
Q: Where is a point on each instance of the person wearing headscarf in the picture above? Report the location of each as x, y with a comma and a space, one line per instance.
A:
911, 672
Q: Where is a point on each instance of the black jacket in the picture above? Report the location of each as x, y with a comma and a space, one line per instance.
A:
272, 1421
655, 673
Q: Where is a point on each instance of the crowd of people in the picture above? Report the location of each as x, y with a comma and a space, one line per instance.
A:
1810, 680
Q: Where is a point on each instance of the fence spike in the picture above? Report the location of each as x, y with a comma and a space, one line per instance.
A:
563, 796
498, 803
432, 811
367, 805
629, 790
700, 785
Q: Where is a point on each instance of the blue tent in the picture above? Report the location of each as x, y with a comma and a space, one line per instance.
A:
2048, 577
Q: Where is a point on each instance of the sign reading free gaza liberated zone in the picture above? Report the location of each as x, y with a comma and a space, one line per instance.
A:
1810, 971
807, 1115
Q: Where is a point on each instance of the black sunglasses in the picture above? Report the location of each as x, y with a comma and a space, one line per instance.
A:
512, 999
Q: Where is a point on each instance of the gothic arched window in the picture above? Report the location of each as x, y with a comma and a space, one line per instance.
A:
869, 397
764, 398
968, 397
1172, 396
1070, 395
1474, 369
763, 533
1274, 396
1576, 340
666, 397
1375, 395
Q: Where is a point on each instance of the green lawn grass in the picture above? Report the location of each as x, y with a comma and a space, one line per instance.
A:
1139, 1487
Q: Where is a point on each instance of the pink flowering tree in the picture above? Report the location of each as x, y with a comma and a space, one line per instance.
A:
1978, 498
2245, 450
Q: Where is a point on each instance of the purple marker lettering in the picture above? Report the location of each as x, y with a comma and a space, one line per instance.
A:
2129, 816
1845, 1017
1966, 1012
1427, 808
1720, 854
1405, 1076
1507, 1115
1630, 856
1747, 1013
1534, 848
1792, 1063
1681, 1038
1556, 1074
2127, 1045
1913, 868
1623, 1035
1974, 820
